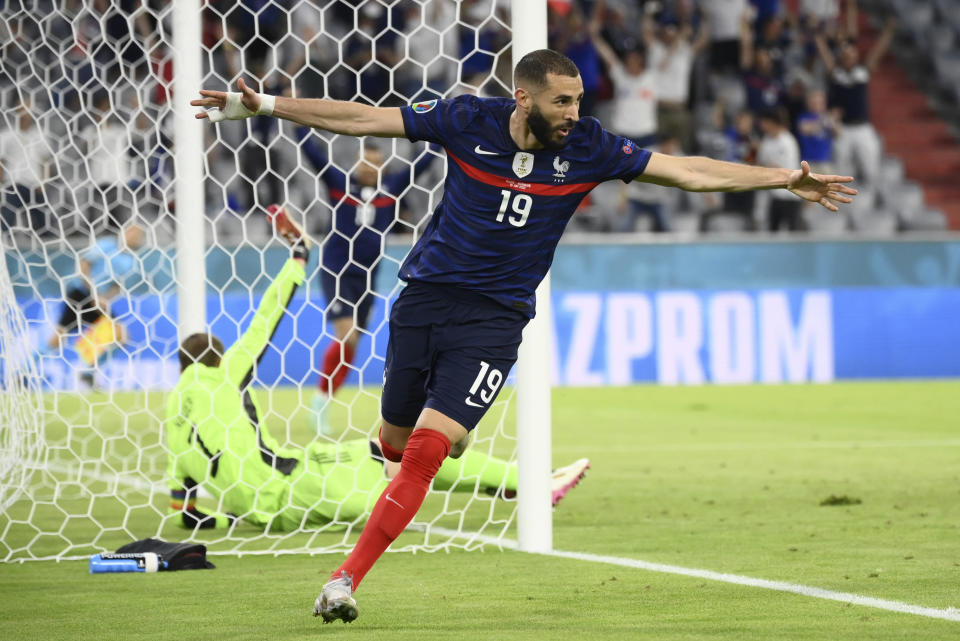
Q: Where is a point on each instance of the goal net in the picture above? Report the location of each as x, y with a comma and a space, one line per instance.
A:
89, 290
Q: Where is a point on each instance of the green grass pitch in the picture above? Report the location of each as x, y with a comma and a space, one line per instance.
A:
728, 479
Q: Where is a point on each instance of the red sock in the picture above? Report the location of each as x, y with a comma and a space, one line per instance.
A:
399, 503
389, 453
335, 367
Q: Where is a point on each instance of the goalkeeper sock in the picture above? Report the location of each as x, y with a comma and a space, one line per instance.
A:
335, 368
399, 503
464, 472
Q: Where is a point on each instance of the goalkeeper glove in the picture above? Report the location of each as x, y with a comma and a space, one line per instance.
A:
194, 518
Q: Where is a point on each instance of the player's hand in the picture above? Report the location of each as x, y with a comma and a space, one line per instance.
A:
228, 105
828, 191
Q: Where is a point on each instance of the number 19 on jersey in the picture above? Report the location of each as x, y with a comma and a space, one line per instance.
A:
520, 208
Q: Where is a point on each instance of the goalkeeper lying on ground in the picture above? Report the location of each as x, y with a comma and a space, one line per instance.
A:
215, 438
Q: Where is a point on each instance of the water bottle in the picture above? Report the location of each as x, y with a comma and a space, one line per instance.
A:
129, 562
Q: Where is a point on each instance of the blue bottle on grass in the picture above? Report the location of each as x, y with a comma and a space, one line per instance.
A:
130, 562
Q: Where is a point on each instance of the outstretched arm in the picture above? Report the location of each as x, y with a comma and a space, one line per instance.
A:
693, 173
825, 54
605, 51
349, 118
240, 358
881, 45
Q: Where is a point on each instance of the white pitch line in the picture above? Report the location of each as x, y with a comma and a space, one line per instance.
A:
948, 614
803, 445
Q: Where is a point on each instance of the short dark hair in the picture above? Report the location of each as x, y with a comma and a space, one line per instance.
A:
200, 348
774, 114
534, 67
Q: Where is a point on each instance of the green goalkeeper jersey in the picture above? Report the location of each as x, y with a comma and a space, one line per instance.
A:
214, 435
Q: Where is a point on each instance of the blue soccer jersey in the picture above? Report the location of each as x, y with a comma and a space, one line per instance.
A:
503, 209
361, 214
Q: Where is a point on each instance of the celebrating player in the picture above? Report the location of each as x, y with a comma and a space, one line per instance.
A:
365, 206
516, 171
215, 438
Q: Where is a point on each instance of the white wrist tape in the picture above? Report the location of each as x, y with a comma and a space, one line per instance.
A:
266, 105
234, 109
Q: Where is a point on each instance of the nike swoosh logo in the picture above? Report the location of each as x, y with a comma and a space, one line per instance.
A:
484, 152
472, 403
393, 500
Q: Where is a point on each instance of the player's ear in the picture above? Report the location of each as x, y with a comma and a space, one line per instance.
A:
523, 97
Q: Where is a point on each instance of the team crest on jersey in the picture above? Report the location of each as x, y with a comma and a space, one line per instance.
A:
424, 107
561, 167
522, 164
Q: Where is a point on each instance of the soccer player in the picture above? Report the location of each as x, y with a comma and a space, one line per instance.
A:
216, 439
364, 210
516, 171
105, 270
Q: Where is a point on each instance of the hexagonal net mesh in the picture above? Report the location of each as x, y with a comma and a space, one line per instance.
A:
88, 312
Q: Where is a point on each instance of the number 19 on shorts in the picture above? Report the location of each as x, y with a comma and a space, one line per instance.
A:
487, 383
520, 208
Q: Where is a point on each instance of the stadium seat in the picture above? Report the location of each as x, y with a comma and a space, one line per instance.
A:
878, 222
820, 222
686, 222
917, 17
947, 66
942, 38
908, 199
725, 222
891, 170
923, 220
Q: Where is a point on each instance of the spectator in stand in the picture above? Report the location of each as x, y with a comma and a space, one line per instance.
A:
774, 37
634, 92
741, 146
106, 143
480, 40
670, 55
779, 146
858, 141
725, 20
741, 140
433, 42
764, 89
647, 199
816, 130
25, 161
820, 10
823, 16
572, 37
372, 52
106, 28
765, 10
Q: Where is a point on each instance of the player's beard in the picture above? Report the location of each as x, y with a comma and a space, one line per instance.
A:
542, 130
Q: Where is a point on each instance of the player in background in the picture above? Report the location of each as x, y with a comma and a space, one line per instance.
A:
216, 438
103, 272
516, 171
365, 208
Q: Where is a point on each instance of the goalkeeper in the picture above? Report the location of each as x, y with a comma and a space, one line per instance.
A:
216, 440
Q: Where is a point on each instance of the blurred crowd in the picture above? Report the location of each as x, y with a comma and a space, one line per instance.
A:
86, 134
749, 81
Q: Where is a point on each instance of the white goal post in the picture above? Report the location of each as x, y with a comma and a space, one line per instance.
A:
95, 111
